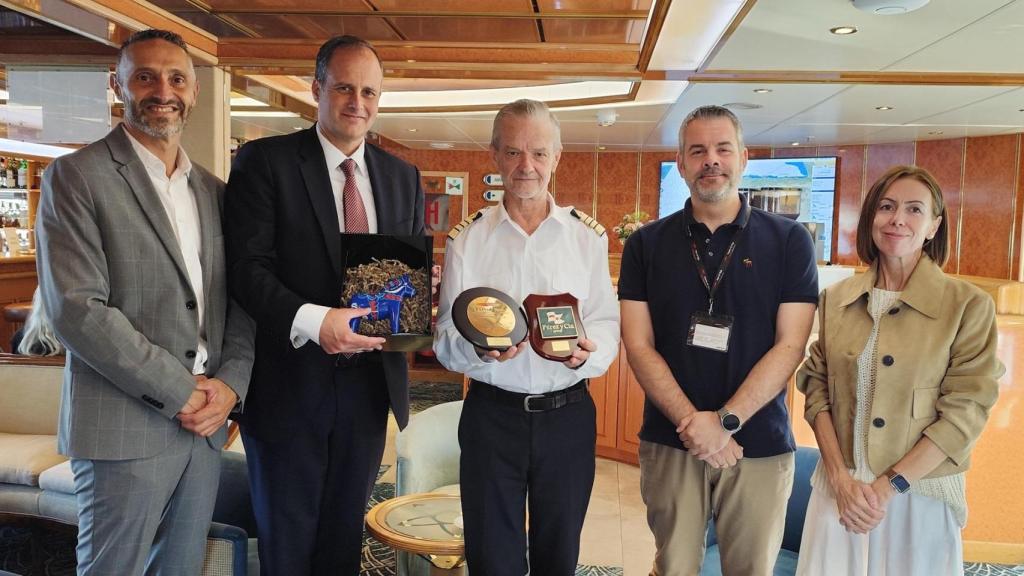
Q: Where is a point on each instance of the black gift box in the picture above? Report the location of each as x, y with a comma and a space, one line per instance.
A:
414, 252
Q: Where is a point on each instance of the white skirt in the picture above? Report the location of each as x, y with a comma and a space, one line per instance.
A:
919, 536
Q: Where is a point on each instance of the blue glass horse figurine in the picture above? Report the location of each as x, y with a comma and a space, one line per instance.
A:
386, 304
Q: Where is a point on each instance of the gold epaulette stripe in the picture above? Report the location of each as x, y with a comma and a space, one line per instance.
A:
454, 232
589, 221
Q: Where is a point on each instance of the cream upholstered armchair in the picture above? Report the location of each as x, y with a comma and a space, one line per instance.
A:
427, 461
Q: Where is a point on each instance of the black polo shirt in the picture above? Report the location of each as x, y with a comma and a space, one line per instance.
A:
773, 263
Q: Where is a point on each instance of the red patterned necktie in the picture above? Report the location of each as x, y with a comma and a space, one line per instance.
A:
352, 202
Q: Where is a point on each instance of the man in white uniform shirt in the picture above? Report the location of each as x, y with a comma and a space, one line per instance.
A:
131, 270
511, 457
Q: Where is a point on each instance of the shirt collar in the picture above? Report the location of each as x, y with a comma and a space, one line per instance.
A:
500, 215
739, 222
182, 164
923, 291
335, 157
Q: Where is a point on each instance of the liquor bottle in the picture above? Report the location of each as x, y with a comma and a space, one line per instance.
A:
23, 174
11, 172
3, 172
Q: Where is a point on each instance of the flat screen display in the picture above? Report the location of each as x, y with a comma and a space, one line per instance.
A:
803, 189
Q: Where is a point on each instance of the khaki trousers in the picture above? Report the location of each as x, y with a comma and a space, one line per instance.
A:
748, 502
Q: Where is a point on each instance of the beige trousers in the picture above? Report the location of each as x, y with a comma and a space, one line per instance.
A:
748, 502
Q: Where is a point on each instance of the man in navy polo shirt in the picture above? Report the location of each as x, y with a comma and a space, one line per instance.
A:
717, 302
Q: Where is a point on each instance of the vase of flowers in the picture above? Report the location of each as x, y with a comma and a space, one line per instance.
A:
631, 222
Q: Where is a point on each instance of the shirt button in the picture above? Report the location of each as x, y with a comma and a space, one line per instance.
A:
710, 253
190, 305
707, 240
190, 354
878, 422
888, 360
894, 311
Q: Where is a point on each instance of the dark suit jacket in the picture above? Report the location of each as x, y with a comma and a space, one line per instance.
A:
284, 251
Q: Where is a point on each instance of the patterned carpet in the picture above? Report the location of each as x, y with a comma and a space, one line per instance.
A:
57, 550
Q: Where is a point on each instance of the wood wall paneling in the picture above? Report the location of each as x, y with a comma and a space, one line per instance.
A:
616, 191
849, 197
794, 152
944, 159
881, 157
1018, 217
650, 180
573, 182
990, 171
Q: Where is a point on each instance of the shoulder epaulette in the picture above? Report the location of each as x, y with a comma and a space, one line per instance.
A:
588, 220
454, 232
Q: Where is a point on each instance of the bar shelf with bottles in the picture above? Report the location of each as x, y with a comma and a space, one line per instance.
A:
19, 195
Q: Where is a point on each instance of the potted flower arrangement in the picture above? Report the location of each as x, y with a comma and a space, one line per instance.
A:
631, 222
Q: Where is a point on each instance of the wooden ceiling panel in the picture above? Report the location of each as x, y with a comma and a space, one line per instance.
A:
604, 6
175, 6
220, 27
315, 27
417, 29
451, 5
593, 31
280, 5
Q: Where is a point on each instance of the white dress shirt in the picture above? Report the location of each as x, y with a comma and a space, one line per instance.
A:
562, 255
180, 204
309, 317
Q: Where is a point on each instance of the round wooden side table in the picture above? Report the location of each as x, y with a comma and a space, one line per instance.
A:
426, 524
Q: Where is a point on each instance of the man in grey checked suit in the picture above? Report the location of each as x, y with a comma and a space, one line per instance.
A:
131, 267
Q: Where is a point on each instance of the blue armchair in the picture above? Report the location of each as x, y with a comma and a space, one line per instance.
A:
785, 565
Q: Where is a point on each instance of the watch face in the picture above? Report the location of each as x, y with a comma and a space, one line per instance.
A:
731, 422
899, 483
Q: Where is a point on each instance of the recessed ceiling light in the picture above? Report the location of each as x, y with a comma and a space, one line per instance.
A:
935, 132
442, 145
762, 90
843, 30
410, 61
411, 129
794, 143
298, 128
602, 147
883, 108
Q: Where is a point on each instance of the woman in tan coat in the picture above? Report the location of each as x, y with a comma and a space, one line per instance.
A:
899, 385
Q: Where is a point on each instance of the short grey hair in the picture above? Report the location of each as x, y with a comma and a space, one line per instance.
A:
525, 108
710, 113
145, 36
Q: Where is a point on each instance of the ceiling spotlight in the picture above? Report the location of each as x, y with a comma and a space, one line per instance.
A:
935, 132
602, 147
762, 90
442, 145
794, 143
888, 7
883, 108
606, 117
411, 129
411, 61
843, 30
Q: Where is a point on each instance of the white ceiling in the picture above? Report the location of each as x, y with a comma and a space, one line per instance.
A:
778, 36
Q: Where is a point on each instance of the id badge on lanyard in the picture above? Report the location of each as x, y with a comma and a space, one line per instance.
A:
710, 330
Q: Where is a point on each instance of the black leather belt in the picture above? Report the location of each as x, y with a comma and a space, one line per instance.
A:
533, 402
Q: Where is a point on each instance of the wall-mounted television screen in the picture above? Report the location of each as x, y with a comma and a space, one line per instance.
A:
803, 189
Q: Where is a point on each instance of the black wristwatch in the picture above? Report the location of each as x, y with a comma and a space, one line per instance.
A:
897, 481
730, 421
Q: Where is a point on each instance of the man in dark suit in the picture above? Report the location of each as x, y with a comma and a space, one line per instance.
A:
316, 415
131, 271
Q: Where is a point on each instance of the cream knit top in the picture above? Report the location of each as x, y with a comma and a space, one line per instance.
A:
949, 489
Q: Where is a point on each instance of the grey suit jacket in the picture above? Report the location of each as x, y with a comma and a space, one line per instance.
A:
114, 282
